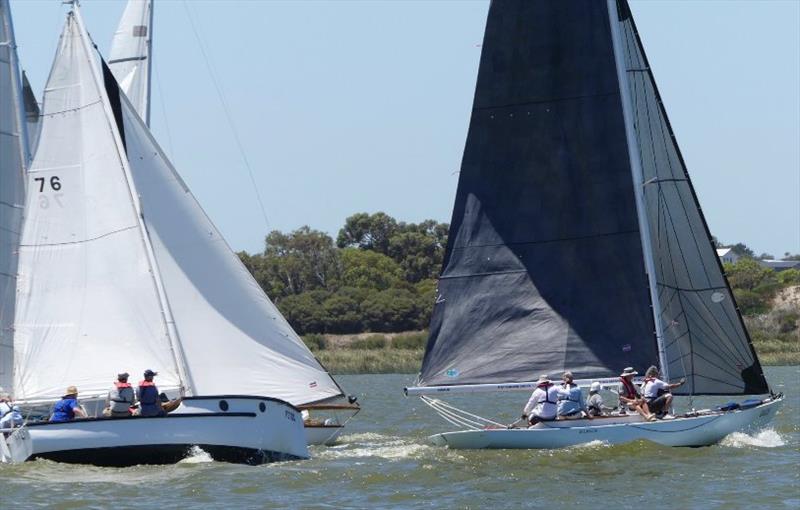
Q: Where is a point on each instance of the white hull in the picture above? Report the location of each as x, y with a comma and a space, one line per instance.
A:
243, 429
323, 434
694, 431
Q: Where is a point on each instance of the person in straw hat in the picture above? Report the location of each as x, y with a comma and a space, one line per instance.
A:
542, 405
629, 397
68, 407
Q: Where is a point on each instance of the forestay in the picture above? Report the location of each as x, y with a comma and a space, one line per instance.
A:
704, 337
87, 304
130, 57
13, 159
544, 267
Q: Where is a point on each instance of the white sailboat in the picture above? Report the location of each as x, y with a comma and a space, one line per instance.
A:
130, 61
577, 242
14, 157
120, 269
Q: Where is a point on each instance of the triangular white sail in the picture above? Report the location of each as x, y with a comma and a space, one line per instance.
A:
233, 338
13, 158
87, 302
130, 57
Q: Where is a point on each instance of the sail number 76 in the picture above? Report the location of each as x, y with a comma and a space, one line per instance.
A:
55, 183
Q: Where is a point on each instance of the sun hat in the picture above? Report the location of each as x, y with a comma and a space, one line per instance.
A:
595, 387
71, 390
628, 371
543, 379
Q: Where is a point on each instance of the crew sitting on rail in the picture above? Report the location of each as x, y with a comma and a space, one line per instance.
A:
570, 399
542, 405
149, 401
68, 408
120, 398
629, 397
594, 404
656, 392
10, 415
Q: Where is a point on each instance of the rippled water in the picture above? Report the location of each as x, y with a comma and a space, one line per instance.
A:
384, 461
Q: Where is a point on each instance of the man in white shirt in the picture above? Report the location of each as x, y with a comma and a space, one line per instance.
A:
656, 392
542, 405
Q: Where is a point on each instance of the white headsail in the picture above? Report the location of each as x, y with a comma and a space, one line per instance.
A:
130, 57
13, 158
87, 303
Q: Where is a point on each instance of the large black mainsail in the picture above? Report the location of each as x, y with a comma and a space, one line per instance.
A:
545, 268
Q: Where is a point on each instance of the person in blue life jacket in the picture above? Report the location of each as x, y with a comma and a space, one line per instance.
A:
68, 408
570, 399
147, 393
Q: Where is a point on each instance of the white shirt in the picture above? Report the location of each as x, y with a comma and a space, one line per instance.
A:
651, 388
538, 404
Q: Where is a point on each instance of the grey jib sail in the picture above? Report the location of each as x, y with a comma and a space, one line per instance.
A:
544, 268
704, 337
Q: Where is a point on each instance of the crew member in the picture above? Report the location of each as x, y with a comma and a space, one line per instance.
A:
629, 396
542, 404
570, 399
68, 408
149, 401
120, 398
657, 392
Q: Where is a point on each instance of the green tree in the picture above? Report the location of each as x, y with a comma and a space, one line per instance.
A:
419, 255
368, 269
367, 231
392, 310
343, 314
742, 250
747, 274
305, 312
302, 260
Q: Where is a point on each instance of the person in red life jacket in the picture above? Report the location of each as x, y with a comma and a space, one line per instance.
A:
68, 407
629, 396
147, 393
657, 392
542, 405
120, 398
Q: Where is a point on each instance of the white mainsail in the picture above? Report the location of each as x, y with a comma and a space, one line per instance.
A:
87, 304
13, 158
130, 57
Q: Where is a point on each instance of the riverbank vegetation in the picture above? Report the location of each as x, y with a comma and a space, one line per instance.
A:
362, 301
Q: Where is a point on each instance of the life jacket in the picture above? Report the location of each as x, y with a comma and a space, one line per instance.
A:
569, 400
546, 388
121, 397
63, 410
148, 396
628, 389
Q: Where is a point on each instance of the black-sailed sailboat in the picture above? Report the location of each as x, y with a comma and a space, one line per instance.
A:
577, 241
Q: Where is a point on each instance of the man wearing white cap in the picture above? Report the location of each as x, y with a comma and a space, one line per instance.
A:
594, 404
542, 405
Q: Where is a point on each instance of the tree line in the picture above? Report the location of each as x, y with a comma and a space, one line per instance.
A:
378, 275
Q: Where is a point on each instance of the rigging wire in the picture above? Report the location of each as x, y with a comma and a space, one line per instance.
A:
228, 117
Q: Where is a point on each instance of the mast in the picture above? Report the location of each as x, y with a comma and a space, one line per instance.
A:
16, 84
149, 61
169, 322
638, 182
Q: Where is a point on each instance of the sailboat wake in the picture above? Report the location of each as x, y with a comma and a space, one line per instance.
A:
197, 456
767, 438
373, 445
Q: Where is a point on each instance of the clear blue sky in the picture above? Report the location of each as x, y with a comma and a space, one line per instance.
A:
363, 106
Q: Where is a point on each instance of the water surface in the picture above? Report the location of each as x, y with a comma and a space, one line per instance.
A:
384, 461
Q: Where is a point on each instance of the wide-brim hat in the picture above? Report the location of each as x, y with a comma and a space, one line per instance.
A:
71, 390
543, 379
628, 371
595, 387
